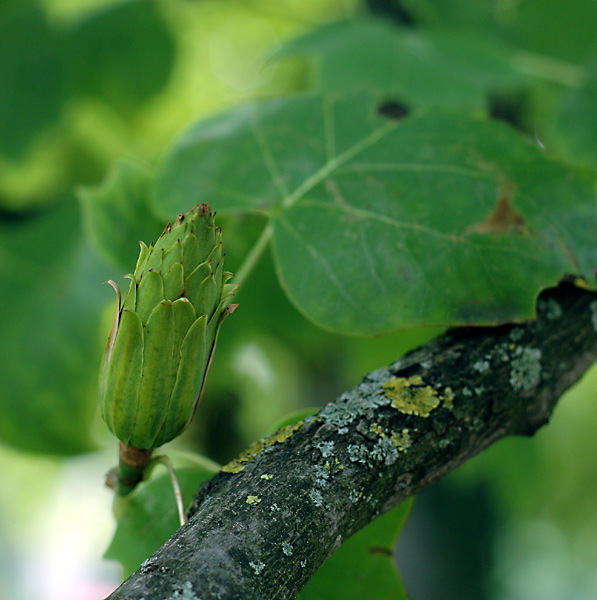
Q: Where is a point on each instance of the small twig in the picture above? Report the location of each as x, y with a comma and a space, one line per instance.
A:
164, 460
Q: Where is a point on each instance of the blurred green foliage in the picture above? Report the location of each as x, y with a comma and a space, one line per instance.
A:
92, 96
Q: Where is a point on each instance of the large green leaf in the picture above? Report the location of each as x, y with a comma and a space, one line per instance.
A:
551, 28
363, 567
31, 76
381, 224
456, 13
117, 214
122, 52
547, 27
50, 301
455, 68
149, 517
576, 121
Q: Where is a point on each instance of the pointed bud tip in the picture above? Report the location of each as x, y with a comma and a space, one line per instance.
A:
116, 288
229, 310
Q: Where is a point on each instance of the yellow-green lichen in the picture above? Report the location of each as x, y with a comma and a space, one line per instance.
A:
253, 500
402, 440
448, 398
238, 464
409, 396
377, 429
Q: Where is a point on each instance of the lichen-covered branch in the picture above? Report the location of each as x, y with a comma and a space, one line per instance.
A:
263, 525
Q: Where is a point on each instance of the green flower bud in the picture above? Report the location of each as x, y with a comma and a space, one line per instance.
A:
164, 333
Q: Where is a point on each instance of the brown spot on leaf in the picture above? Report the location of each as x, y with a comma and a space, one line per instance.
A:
504, 218
380, 550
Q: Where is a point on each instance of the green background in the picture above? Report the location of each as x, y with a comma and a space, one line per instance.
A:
106, 109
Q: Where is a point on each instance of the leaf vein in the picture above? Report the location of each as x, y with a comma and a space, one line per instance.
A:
318, 258
269, 159
336, 163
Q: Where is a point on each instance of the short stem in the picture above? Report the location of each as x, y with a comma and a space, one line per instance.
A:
132, 464
254, 255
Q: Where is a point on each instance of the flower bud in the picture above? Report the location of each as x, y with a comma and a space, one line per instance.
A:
164, 333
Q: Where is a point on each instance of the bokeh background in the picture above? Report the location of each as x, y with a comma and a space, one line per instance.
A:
84, 83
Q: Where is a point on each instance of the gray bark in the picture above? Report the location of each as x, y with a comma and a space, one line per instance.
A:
261, 530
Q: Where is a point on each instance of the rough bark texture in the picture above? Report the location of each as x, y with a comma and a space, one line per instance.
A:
260, 530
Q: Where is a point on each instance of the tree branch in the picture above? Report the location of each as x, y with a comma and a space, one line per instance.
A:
261, 529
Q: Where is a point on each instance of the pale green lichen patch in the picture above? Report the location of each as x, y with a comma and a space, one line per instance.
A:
287, 548
183, 592
267, 476
444, 443
551, 308
147, 566
316, 497
238, 464
257, 567
322, 474
358, 453
354, 496
525, 371
481, 366
253, 500
385, 451
411, 397
326, 449
354, 404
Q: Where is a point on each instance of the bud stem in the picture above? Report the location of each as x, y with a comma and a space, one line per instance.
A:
132, 463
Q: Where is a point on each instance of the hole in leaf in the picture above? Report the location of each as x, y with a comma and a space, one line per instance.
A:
391, 10
509, 107
393, 109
